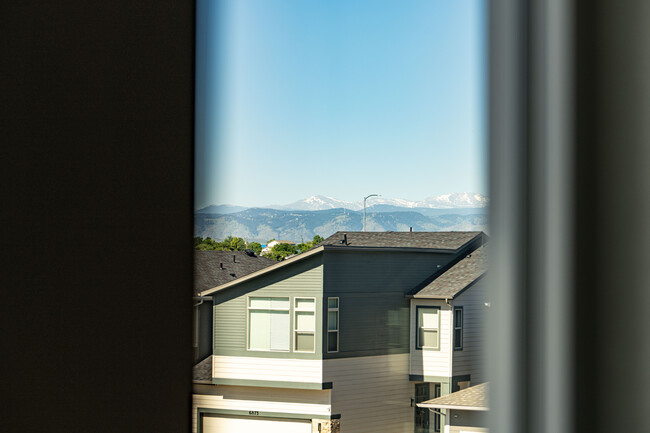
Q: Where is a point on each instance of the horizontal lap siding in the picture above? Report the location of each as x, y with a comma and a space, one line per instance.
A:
471, 360
430, 362
371, 286
290, 401
302, 279
260, 368
371, 393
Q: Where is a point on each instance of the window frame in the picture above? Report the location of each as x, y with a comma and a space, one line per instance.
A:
417, 326
461, 328
248, 322
295, 331
338, 321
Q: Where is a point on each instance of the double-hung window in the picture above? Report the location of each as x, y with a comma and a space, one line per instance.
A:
268, 324
428, 326
332, 324
304, 324
458, 328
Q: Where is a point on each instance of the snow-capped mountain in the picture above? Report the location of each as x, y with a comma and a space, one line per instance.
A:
445, 201
456, 200
318, 202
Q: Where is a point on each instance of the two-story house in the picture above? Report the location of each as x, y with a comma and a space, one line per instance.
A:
343, 337
212, 269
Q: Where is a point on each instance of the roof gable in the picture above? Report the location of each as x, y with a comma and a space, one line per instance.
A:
453, 281
215, 268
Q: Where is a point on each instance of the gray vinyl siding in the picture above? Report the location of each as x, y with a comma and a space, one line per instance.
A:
302, 279
471, 360
374, 313
371, 393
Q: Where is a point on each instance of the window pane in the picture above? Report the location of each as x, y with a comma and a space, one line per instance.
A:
305, 342
333, 320
305, 304
428, 318
332, 303
280, 303
264, 303
260, 326
280, 330
332, 341
305, 321
458, 338
428, 338
458, 318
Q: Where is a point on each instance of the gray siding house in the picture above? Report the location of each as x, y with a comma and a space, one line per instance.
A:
326, 341
211, 269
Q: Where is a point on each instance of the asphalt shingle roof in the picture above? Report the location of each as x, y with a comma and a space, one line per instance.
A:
432, 240
208, 272
203, 370
458, 277
472, 397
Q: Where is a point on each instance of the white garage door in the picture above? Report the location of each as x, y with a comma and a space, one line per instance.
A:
227, 424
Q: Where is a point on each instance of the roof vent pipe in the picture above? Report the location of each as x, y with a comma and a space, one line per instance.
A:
234, 259
221, 265
345, 238
411, 229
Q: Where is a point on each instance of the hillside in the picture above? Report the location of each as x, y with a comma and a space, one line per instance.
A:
260, 225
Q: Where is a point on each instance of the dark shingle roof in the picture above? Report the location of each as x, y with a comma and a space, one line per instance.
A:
458, 277
202, 371
474, 397
208, 272
432, 240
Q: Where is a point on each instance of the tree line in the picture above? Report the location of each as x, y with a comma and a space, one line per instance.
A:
279, 252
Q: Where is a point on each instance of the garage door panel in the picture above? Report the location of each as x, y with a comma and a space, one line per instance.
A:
232, 424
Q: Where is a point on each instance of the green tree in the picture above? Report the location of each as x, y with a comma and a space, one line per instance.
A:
256, 247
317, 240
280, 251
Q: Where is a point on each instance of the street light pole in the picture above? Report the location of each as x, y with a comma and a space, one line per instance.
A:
364, 208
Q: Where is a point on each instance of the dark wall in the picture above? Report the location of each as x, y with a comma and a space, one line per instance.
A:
96, 187
373, 309
205, 331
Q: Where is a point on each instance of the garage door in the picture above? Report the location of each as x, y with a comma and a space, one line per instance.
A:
227, 424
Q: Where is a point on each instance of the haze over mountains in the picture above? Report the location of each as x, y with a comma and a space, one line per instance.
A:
320, 202
322, 215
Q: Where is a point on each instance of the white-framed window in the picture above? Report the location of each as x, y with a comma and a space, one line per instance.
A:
428, 327
269, 326
458, 328
332, 325
304, 311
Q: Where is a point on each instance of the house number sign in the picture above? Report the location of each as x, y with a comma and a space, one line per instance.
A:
253, 412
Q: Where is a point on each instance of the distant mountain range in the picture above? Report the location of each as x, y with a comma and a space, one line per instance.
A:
457, 200
314, 215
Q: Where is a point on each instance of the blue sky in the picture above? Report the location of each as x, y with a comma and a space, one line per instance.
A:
339, 98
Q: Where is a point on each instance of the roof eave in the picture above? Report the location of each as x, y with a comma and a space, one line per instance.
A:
453, 406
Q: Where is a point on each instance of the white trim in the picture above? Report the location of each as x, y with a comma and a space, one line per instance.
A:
249, 308
453, 406
296, 331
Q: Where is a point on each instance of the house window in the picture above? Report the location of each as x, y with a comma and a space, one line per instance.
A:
458, 328
304, 324
332, 324
428, 325
268, 324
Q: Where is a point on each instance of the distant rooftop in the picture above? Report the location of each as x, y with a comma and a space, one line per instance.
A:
208, 271
472, 398
458, 277
430, 240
